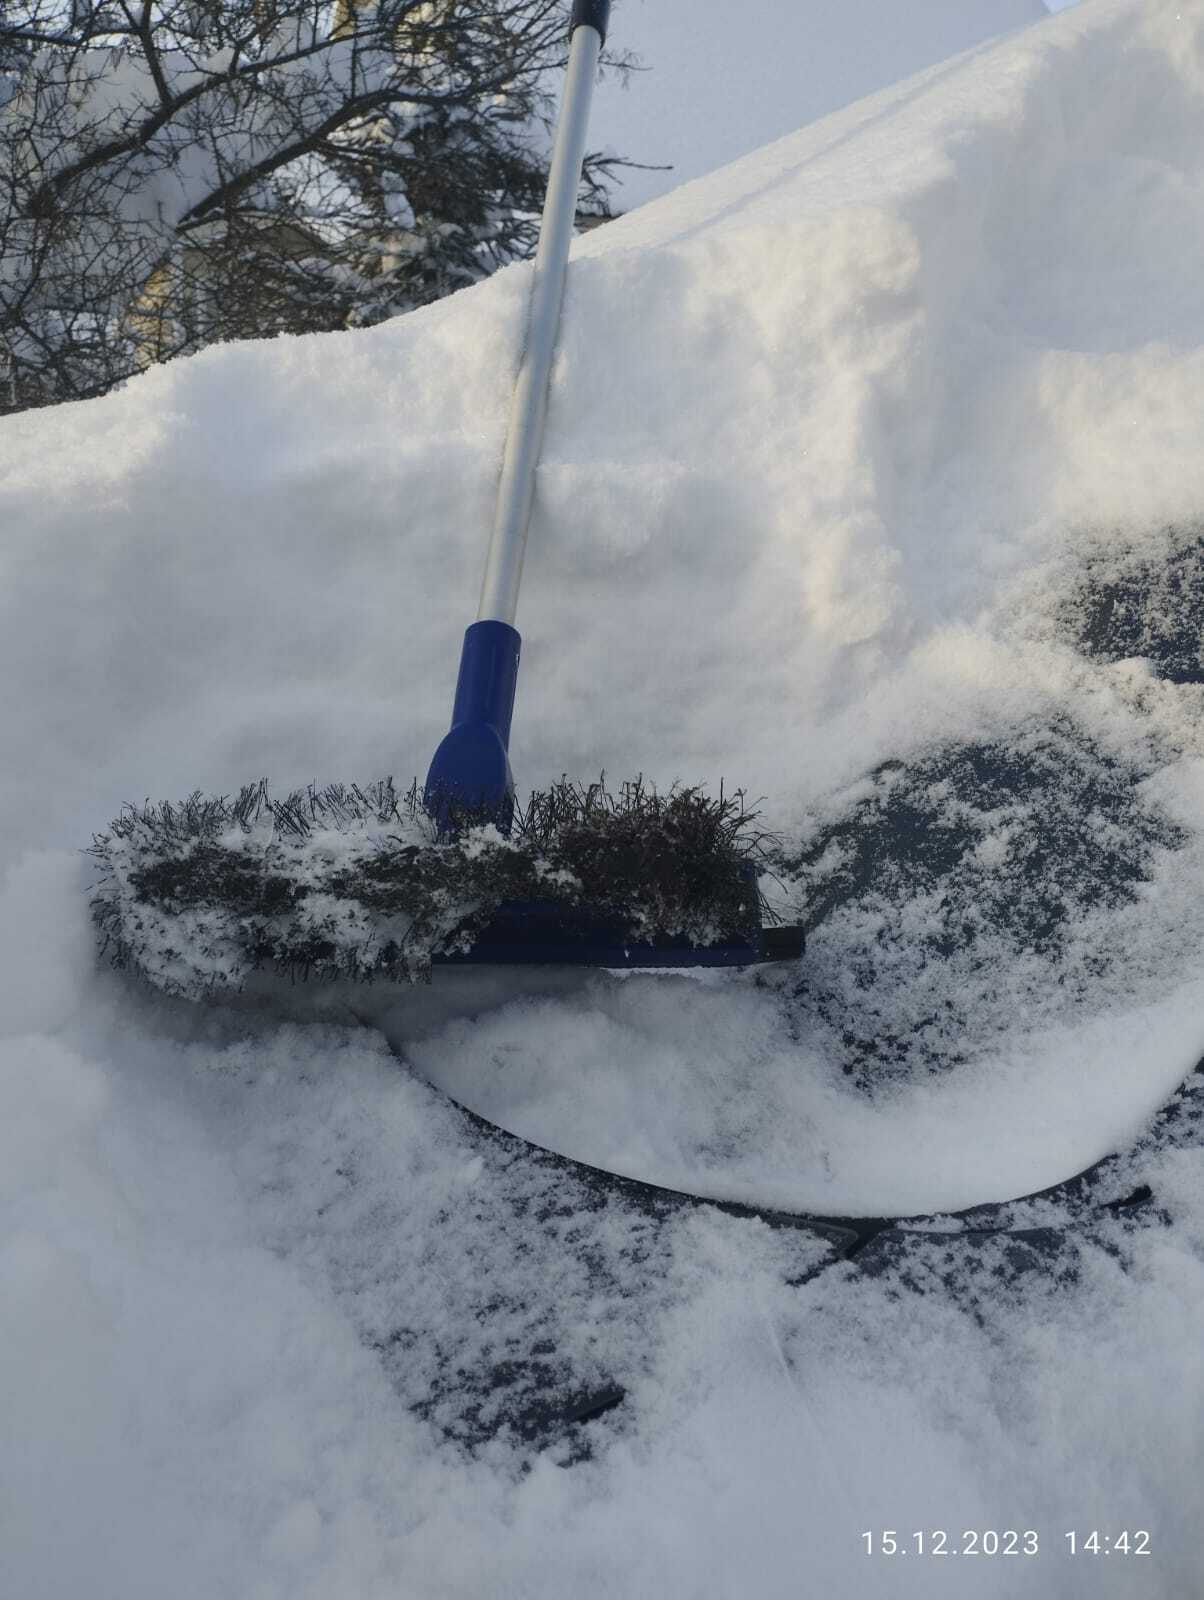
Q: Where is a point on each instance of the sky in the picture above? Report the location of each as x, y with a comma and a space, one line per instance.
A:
710, 96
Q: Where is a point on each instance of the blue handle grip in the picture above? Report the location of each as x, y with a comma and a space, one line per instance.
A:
471, 767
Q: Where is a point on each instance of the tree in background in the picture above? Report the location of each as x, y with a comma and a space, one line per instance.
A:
176, 173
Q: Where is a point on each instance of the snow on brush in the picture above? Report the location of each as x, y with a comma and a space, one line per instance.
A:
873, 484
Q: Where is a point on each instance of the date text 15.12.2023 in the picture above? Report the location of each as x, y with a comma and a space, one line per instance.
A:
1003, 1542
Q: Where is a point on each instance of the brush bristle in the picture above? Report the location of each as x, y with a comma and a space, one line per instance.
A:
351, 882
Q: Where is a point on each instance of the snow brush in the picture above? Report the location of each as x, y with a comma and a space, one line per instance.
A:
361, 883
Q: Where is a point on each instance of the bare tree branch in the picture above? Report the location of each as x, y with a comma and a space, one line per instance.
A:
178, 171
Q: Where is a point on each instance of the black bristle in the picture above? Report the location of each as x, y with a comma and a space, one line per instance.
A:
196, 895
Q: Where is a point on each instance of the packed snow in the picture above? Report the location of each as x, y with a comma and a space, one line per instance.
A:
864, 457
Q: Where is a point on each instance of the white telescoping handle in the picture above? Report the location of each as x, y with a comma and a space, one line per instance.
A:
529, 405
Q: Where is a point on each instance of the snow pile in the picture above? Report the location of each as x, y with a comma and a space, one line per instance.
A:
951, 371
873, 484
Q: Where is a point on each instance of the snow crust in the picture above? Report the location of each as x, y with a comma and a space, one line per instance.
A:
832, 433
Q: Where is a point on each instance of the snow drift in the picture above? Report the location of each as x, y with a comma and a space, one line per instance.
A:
837, 437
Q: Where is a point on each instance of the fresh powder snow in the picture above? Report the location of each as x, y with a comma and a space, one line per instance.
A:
864, 454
